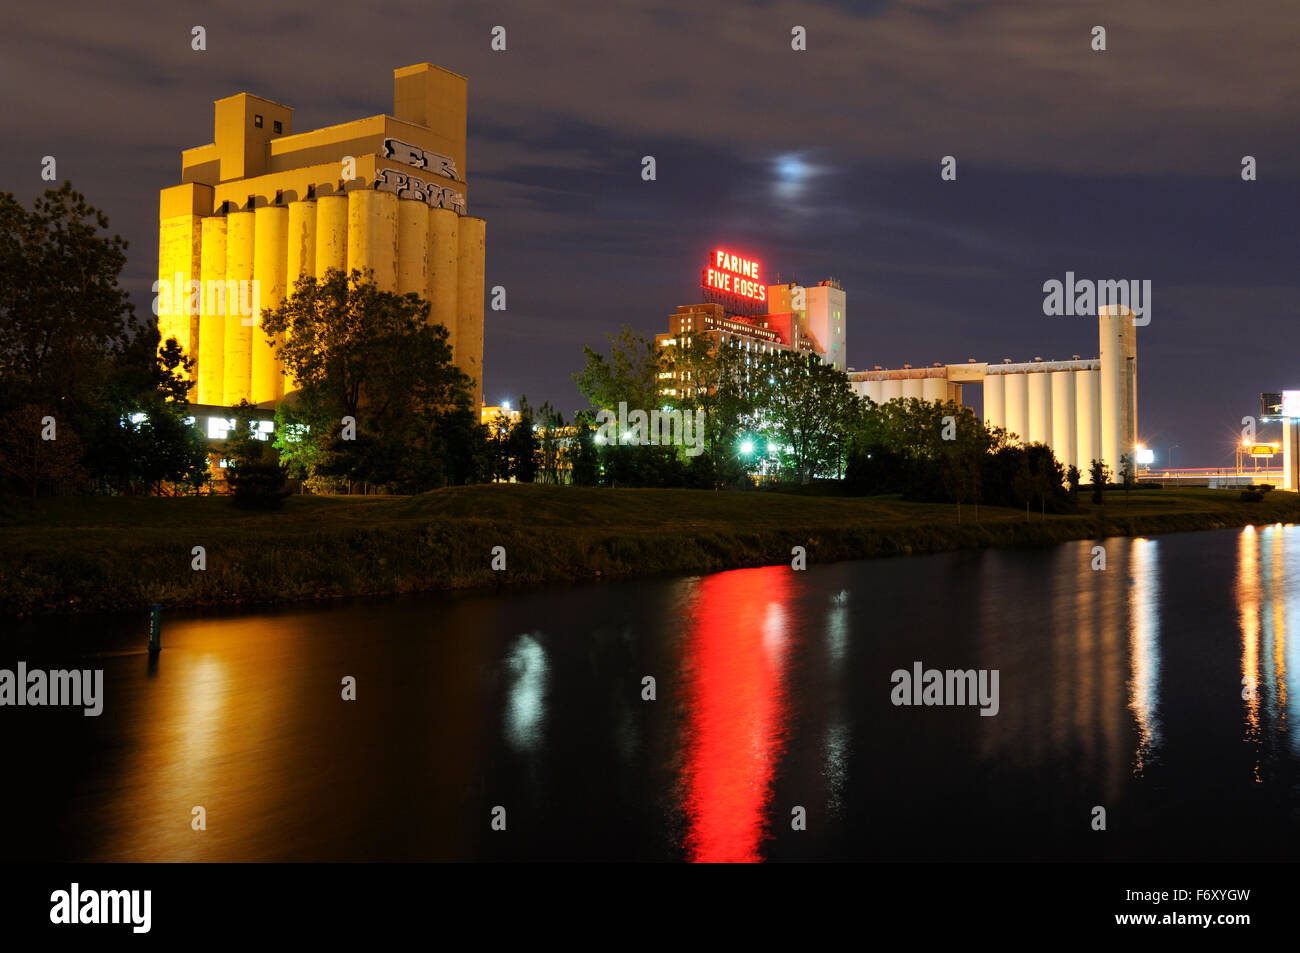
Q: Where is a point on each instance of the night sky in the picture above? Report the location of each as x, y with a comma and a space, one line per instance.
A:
1117, 164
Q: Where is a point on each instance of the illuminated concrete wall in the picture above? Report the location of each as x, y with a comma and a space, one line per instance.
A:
1017, 402
270, 258
212, 318
1040, 408
237, 374
1063, 418
1087, 410
1118, 384
995, 400
469, 301
825, 319
264, 204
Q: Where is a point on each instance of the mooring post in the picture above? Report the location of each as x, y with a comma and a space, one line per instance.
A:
155, 629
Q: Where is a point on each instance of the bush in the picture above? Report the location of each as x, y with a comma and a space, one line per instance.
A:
1251, 496
259, 485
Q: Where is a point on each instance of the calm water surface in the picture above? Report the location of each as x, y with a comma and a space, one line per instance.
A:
1165, 689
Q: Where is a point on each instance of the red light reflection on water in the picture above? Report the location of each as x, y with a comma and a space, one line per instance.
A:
736, 710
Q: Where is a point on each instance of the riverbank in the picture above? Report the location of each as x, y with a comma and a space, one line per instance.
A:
91, 554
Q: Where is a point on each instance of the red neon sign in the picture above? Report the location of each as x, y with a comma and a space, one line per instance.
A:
735, 275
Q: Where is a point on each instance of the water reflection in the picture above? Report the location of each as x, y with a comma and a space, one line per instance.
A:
526, 698
1268, 598
1144, 647
734, 661
1123, 686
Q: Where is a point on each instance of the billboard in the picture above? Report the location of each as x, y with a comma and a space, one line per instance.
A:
736, 275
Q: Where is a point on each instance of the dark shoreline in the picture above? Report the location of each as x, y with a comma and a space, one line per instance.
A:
321, 549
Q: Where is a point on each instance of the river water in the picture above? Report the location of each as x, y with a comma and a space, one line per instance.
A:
1163, 691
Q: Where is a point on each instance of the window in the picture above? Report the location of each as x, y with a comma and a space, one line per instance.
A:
279, 128
218, 427
257, 120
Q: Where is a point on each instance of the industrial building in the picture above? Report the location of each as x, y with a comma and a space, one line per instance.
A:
262, 205
1082, 409
809, 320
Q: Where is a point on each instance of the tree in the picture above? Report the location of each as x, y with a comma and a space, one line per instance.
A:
712, 379
139, 435
550, 440
583, 451
1127, 473
256, 478
69, 343
1099, 473
370, 355
630, 374
1072, 482
522, 445
63, 314
801, 402
28, 458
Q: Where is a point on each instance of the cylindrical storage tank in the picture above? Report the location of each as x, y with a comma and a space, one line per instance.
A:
301, 261
995, 400
237, 373
444, 250
212, 313
1017, 404
1040, 408
412, 246
912, 389
372, 235
269, 269
1087, 434
874, 392
934, 388
1063, 418
180, 245
301, 244
890, 390
1111, 411
469, 301
331, 234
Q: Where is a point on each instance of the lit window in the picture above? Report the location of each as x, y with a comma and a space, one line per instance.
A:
218, 427
257, 121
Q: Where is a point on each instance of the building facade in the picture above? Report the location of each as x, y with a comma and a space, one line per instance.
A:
261, 206
1083, 409
816, 328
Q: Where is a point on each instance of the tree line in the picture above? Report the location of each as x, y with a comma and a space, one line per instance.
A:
92, 401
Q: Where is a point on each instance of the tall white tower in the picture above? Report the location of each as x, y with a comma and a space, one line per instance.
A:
1118, 410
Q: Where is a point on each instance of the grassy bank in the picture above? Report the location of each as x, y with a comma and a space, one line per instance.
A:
124, 553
